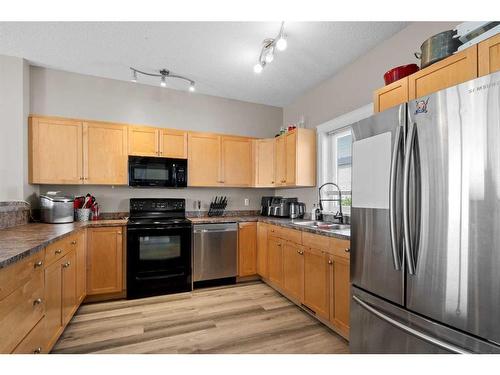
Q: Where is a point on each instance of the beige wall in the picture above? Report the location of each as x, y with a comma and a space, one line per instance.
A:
353, 86
74, 95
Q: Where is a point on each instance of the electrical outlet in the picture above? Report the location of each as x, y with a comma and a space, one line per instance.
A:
247, 201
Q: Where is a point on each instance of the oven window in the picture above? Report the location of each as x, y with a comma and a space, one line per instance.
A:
159, 247
151, 172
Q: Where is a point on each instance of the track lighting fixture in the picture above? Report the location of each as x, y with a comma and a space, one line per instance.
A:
269, 46
163, 74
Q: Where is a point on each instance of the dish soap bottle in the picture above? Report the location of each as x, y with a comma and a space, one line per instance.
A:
313, 212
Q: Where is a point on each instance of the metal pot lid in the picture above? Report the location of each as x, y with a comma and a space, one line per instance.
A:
58, 198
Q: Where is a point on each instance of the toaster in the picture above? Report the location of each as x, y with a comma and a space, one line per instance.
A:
56, 209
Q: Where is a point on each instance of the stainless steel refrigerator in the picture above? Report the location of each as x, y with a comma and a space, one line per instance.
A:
425, 237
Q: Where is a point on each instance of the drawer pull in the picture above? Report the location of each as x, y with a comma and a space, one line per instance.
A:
59, 251
66, 265
330, 261
39, 264
37, 301
37, 350
73, 242
118, 232
347, 250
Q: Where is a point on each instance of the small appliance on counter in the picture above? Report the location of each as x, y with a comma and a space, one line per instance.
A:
297, 210
56, 208
281, 207
265, 205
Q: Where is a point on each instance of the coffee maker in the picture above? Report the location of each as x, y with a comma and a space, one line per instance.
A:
266, 203
281, 207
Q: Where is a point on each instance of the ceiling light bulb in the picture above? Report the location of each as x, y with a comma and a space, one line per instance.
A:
269, 55
258, 68
163, 82
281, 44
191, 87
134, 76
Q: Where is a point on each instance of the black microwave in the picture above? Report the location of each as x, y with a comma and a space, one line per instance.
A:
157, 172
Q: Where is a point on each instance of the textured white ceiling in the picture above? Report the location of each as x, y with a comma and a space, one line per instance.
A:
219, 56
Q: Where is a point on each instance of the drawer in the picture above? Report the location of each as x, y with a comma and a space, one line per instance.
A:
286, 233
19, 273
316, 241
340, 248
20, 311
58, 249
35, 341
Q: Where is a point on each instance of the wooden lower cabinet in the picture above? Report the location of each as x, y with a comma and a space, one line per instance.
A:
275, 260
316, 282
69, 296
35, 341
293, 270
247, 249
262, 252
81, 265
53, 302
339, 293
104, 260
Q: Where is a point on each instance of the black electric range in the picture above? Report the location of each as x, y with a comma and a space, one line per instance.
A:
158, 247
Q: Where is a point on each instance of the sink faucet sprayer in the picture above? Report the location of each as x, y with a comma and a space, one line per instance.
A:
339, 216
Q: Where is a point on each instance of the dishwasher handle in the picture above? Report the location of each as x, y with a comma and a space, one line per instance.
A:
215, 230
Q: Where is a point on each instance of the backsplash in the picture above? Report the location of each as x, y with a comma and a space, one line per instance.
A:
14, 213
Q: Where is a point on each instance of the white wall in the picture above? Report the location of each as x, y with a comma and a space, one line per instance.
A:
353, 86
66, 94
14, 101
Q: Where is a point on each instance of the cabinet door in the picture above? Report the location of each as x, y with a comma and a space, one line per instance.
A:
489, 55
104, 260
143, 141
236, 161
247, 249
35, 341
81, 266
339, 293
53, 301
173, 143
316, 281
105, 153
262, 268
275, 256
280, 161
55, 151
204, 159
390, 95
69, 297
451, 71
293, 270
264, 160
291, 158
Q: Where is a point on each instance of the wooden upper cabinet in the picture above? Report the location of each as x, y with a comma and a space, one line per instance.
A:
236, 163
293, 270
247, 249
290, 158
489, 55
390, 95
316, 282
451, 71
280, 166
105, 153
204, 159
173, 143
55, 151
104, 260
143, 141
264, 162
262, 267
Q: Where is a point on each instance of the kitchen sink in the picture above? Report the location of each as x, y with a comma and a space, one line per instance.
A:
322, 225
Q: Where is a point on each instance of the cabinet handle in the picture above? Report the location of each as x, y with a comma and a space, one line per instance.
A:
301, 252
37, 350
330, 262
279, 245
272, 182
118, 232
73, 242
39, 264
58, 251
66, 265
347, 250
37, 301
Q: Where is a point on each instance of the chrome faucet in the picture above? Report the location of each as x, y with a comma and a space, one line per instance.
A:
338, 216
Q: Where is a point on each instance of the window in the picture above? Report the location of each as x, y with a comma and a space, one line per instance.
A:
337, 168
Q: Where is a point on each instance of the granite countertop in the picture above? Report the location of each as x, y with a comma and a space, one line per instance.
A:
23, 240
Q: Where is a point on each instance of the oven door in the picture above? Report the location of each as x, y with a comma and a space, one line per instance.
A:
158, 260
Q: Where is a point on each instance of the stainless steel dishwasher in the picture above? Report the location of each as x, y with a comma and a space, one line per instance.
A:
215, 251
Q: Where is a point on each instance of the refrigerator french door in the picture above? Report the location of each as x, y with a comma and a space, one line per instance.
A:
447, 225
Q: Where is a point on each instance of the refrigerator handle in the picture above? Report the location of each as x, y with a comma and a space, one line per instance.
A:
406, 199
396, 258
430, 339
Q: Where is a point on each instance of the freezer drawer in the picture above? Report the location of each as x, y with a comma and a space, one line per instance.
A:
215, 251
379, 327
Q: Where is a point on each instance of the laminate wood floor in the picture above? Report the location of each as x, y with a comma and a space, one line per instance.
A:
245, 318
